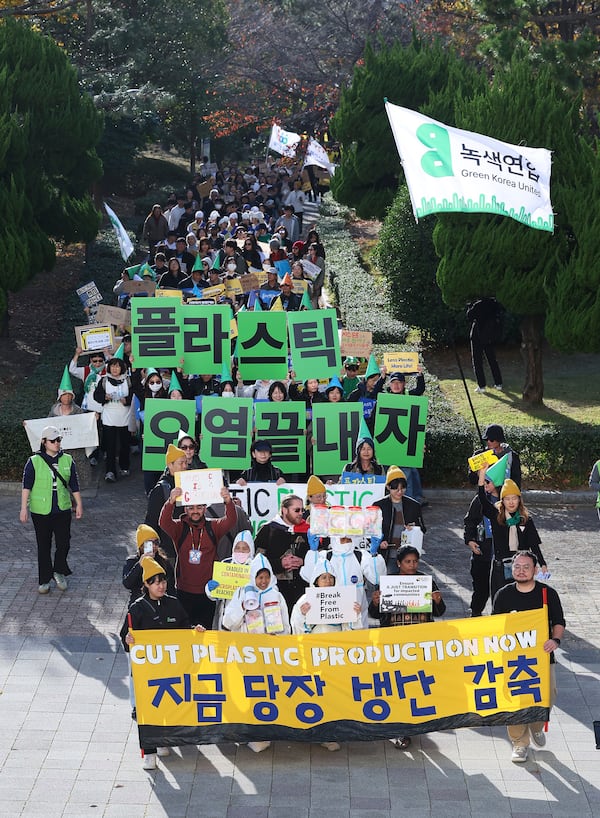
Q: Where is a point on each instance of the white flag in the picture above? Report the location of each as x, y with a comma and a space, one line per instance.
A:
284, 142
122, 236
449, 170
317, 155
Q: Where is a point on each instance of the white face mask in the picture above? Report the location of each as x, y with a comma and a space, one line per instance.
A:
155, 387
228, 395
240, 557
231, 265
339, 547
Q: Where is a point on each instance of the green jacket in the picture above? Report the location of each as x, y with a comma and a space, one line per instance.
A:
40, 498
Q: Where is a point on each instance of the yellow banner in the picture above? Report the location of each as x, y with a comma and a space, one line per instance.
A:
169, 294
478, 461
203, 687
401, 361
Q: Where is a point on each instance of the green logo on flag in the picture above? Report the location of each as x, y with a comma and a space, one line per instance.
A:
437, 162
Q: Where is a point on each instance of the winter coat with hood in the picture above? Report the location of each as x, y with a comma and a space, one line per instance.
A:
235, 615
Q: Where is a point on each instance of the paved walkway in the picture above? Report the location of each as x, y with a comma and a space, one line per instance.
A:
69, 748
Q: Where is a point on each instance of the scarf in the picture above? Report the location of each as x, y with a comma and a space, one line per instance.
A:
512, 523
91, 378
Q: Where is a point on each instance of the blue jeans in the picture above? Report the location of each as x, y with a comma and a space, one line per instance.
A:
413, 483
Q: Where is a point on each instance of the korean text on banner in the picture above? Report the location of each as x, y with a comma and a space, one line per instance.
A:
314, 344
163, 419
451, 170
283, 425
226, 432
262, 345
204, 688
77, 431
335, 431
400, 422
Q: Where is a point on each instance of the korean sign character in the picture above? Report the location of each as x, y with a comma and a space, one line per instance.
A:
156, 338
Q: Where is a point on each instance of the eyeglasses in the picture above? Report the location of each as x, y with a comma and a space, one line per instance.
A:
297, 510
158, 578
188, 447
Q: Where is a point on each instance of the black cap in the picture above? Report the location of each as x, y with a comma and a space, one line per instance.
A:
398, 376
494, 432
261, 446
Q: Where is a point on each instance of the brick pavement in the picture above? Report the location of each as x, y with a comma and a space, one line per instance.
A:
68, 747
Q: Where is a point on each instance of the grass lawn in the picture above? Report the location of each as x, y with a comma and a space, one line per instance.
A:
571, 388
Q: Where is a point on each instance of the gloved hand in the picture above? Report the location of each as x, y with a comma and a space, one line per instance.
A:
212, 584
375, 543
313, 540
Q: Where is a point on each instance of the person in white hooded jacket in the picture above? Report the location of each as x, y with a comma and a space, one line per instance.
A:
258, 608
322, 577
242, 553
351, 565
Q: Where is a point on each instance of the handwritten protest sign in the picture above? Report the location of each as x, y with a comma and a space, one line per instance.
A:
230, 576
331, 606
356, 344
199, 486
114, 316
401, 361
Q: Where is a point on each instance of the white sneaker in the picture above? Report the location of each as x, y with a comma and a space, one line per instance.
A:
498, 386
539, 738
332, 746
162, 752
149, 762
519, 755
44, 588
480, 389
61, 582
259, 746
110, 477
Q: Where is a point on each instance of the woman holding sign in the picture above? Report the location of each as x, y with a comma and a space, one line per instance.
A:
408, 565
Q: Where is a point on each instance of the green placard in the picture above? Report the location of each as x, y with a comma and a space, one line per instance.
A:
283, 424
205, 337
262, 345
163, 419
156, 336
400, 422
226, 432
314, 344
335, 428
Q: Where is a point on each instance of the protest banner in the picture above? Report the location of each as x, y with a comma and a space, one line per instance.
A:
401, 361
284, 426
405, 594
136, 287
199, 487
400, 422
160, 293
250, 281
215, 292
89, 294
335, 431
230, 576
211, 687
314, 344
262, 345
355, 343
311, 271
262, 501
77, 431
205, 340
226, 432
94, 336
156, 333
451, 170
299, 286
163, 420
331, 606
114, 316
233, 288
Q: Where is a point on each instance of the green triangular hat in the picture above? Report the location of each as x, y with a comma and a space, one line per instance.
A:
216, 263
305, 303
150, 371
364, 433
226, 373
497, 471
120, 353
174, 383
146, 270
257, 305
373, 367
66, 384
197, 264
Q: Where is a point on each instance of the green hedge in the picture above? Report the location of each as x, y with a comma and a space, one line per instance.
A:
37, 392
361, 304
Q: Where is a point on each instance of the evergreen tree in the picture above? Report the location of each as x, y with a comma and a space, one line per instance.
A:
494, 255
48, 163
411, 76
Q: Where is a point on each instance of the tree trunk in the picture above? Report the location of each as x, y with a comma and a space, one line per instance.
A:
532, 334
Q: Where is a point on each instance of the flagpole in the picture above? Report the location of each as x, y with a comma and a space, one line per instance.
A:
462, 375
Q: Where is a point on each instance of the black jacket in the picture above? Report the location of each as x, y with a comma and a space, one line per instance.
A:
410, 509
148, 614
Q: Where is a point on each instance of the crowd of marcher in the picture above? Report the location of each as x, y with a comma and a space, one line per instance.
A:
226, 227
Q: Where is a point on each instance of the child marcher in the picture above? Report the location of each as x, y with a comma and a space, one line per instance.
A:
242, 553
258, 608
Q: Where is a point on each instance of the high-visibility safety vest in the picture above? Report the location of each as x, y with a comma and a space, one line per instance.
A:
40, 498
